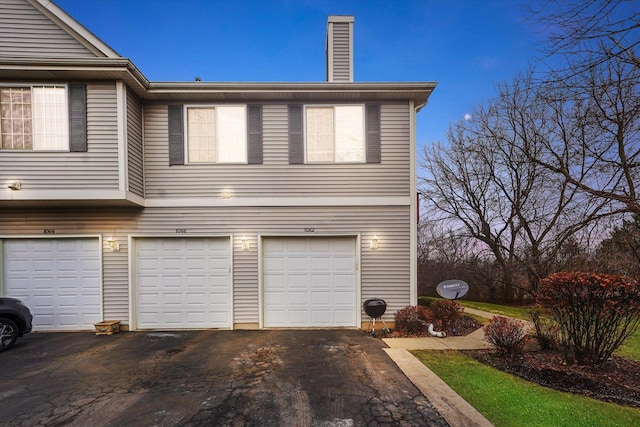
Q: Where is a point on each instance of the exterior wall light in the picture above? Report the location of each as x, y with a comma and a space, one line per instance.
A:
115, 246
373, 244
15, 185
226, 194
245, 243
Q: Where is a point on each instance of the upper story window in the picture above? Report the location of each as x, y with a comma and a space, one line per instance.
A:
217, 134
34, 118
335, 134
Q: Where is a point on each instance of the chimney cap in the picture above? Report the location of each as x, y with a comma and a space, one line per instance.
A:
341, 18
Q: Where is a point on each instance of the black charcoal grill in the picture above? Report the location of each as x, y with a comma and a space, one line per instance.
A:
375, 308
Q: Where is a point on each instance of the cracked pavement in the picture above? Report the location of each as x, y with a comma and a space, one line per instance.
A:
208, 378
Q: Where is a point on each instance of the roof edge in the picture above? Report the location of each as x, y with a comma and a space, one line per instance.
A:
323, 86
76, 29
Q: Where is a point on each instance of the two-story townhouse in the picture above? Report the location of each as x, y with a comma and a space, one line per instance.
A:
192, 205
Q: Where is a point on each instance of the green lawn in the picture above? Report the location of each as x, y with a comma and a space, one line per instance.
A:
502, 310
506, 400
631, 347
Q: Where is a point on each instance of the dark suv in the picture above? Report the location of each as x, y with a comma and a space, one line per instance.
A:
15, 321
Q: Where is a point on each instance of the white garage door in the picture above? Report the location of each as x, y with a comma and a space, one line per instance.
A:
183, 283
309, 282
58, 279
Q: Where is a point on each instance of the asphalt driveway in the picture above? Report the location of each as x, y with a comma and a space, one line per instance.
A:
216, 378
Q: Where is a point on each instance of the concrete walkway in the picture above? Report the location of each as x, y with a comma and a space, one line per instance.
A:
456, 410
472, 341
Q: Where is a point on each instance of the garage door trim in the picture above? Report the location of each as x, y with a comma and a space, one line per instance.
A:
131, 239
100, 252
358, 259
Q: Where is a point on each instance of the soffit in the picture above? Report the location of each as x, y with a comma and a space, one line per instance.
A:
104, 69
289, 92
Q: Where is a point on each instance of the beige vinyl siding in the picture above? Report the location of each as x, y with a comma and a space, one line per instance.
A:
276, 177
95, 169
78, 222
134, 144
384, 272
25, 32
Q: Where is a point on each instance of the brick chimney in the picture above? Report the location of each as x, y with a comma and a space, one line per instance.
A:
339, 48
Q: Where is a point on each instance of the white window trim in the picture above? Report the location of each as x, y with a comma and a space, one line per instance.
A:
332, 106
185, 116
31, 86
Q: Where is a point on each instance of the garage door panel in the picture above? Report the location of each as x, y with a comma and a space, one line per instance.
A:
343, 281
275, 281
322, 281
343, 316
343, 297
322, 317
273, 263
321, 298
296, 263
191, 278
278, 317
296, 281
59, 279
275, 300
342, 264
196, 317
297, 298
196, 299
298, 316
302, 279
321, 264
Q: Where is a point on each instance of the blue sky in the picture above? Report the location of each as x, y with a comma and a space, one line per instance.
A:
466, 46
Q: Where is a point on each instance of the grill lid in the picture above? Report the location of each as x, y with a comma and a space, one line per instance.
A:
374, 307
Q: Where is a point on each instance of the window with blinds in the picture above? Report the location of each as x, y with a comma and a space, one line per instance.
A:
34, 118
335, 134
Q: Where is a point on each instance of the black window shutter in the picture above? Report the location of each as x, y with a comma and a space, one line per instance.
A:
373, 133
254, 134
176, 135
77, 118
296, 141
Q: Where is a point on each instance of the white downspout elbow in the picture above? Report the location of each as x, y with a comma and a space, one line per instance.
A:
434, 333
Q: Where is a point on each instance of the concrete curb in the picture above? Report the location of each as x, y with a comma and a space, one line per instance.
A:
454, 409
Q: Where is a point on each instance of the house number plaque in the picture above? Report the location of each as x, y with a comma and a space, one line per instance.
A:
309, 230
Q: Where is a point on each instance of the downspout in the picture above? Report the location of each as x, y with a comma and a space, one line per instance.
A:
413, 216
434, 333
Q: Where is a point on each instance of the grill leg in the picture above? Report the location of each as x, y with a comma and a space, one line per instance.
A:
385, 329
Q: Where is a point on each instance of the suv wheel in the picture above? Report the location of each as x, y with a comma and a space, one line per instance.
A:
8, 333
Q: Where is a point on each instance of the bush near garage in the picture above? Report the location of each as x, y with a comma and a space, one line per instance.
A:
595, 313
446, 313
413, 320
506, 334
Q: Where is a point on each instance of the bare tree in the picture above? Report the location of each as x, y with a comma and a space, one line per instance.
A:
620, 252
444, 254
600, 76
588, 33
484, 179
597, 148
534, 173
